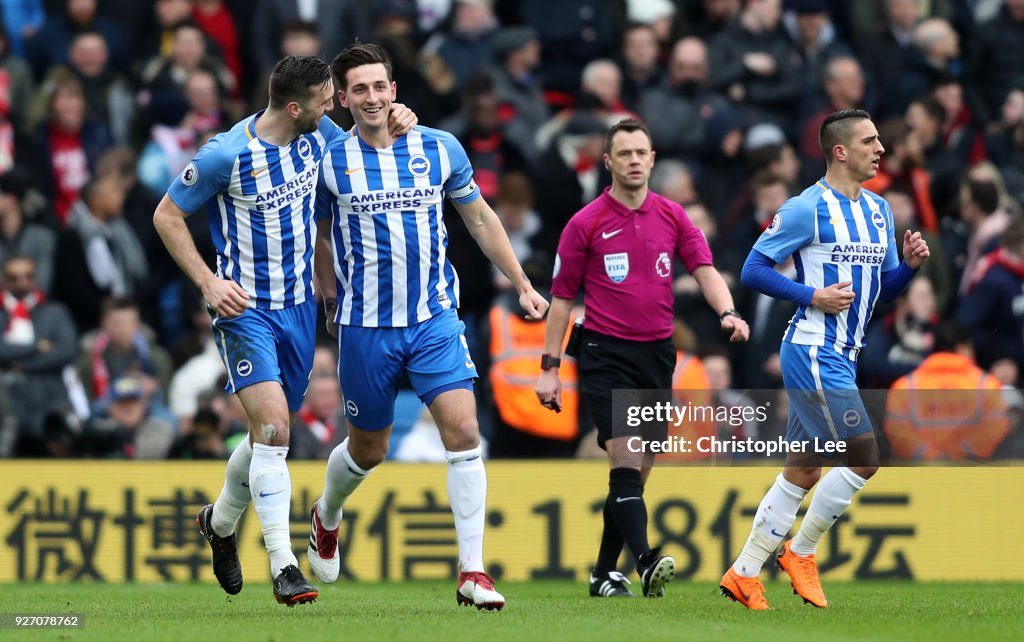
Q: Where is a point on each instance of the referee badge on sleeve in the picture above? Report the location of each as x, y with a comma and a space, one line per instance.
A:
616, 266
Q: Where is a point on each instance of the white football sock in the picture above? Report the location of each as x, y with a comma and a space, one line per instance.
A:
272, 496
342, 478
832, 496
235, 495
467, 493
772, 521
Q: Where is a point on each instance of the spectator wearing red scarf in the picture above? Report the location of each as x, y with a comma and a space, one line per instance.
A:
67, 145
38, 342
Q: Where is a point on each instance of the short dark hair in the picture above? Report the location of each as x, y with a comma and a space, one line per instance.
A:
359, 54
765, 178
984, 194
949, 335
931, 106
188, 23
628, 125
893, 131
837, 129
765, 155
117, 304
89, 31
479, 83
300, 26
293, 76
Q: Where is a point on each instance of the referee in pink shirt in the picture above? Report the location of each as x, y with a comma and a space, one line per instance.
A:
619, 250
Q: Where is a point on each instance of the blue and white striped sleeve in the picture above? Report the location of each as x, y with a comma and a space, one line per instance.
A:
207, 175
791, 229
460, 186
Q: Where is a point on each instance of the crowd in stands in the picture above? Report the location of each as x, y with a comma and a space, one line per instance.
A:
107, 350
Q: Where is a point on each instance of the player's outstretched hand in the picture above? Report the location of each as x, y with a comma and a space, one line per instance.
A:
534, 304
401, 119
549, 390
738, 329
915, 249
833, 299
225, 297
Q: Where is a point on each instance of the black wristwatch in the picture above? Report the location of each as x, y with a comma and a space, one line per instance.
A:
731, 312
548, 362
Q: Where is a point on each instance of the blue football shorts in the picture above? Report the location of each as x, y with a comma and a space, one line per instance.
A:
824, 402
434, 354
269, 345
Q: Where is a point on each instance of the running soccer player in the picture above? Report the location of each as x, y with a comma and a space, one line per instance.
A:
843, 241
259, 180
386, 280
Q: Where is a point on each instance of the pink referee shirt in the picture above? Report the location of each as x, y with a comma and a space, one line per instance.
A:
622, 259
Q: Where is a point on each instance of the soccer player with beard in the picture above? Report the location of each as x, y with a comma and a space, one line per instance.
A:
258, 181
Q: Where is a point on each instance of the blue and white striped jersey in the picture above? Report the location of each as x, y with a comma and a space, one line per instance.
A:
833, 239
261, 202
389, 239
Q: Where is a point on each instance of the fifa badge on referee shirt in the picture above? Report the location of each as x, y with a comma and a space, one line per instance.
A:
616, 266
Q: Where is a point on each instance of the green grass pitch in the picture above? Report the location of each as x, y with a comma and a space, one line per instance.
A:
562, 611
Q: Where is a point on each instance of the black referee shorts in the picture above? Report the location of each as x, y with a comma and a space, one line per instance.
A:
608, 363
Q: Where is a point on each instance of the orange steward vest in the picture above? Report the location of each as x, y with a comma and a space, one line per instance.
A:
948, 408
516, 348
690, 387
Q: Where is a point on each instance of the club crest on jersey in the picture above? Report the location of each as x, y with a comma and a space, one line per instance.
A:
190, 175
663, 266
774, 226
352, 408
877, 219
304, 148
244, 368
419, 165
616, 266
851, 418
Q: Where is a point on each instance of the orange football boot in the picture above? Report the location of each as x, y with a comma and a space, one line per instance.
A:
803, 571
748, 591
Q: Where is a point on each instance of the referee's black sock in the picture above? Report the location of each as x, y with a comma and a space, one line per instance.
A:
626, 500
611, 542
